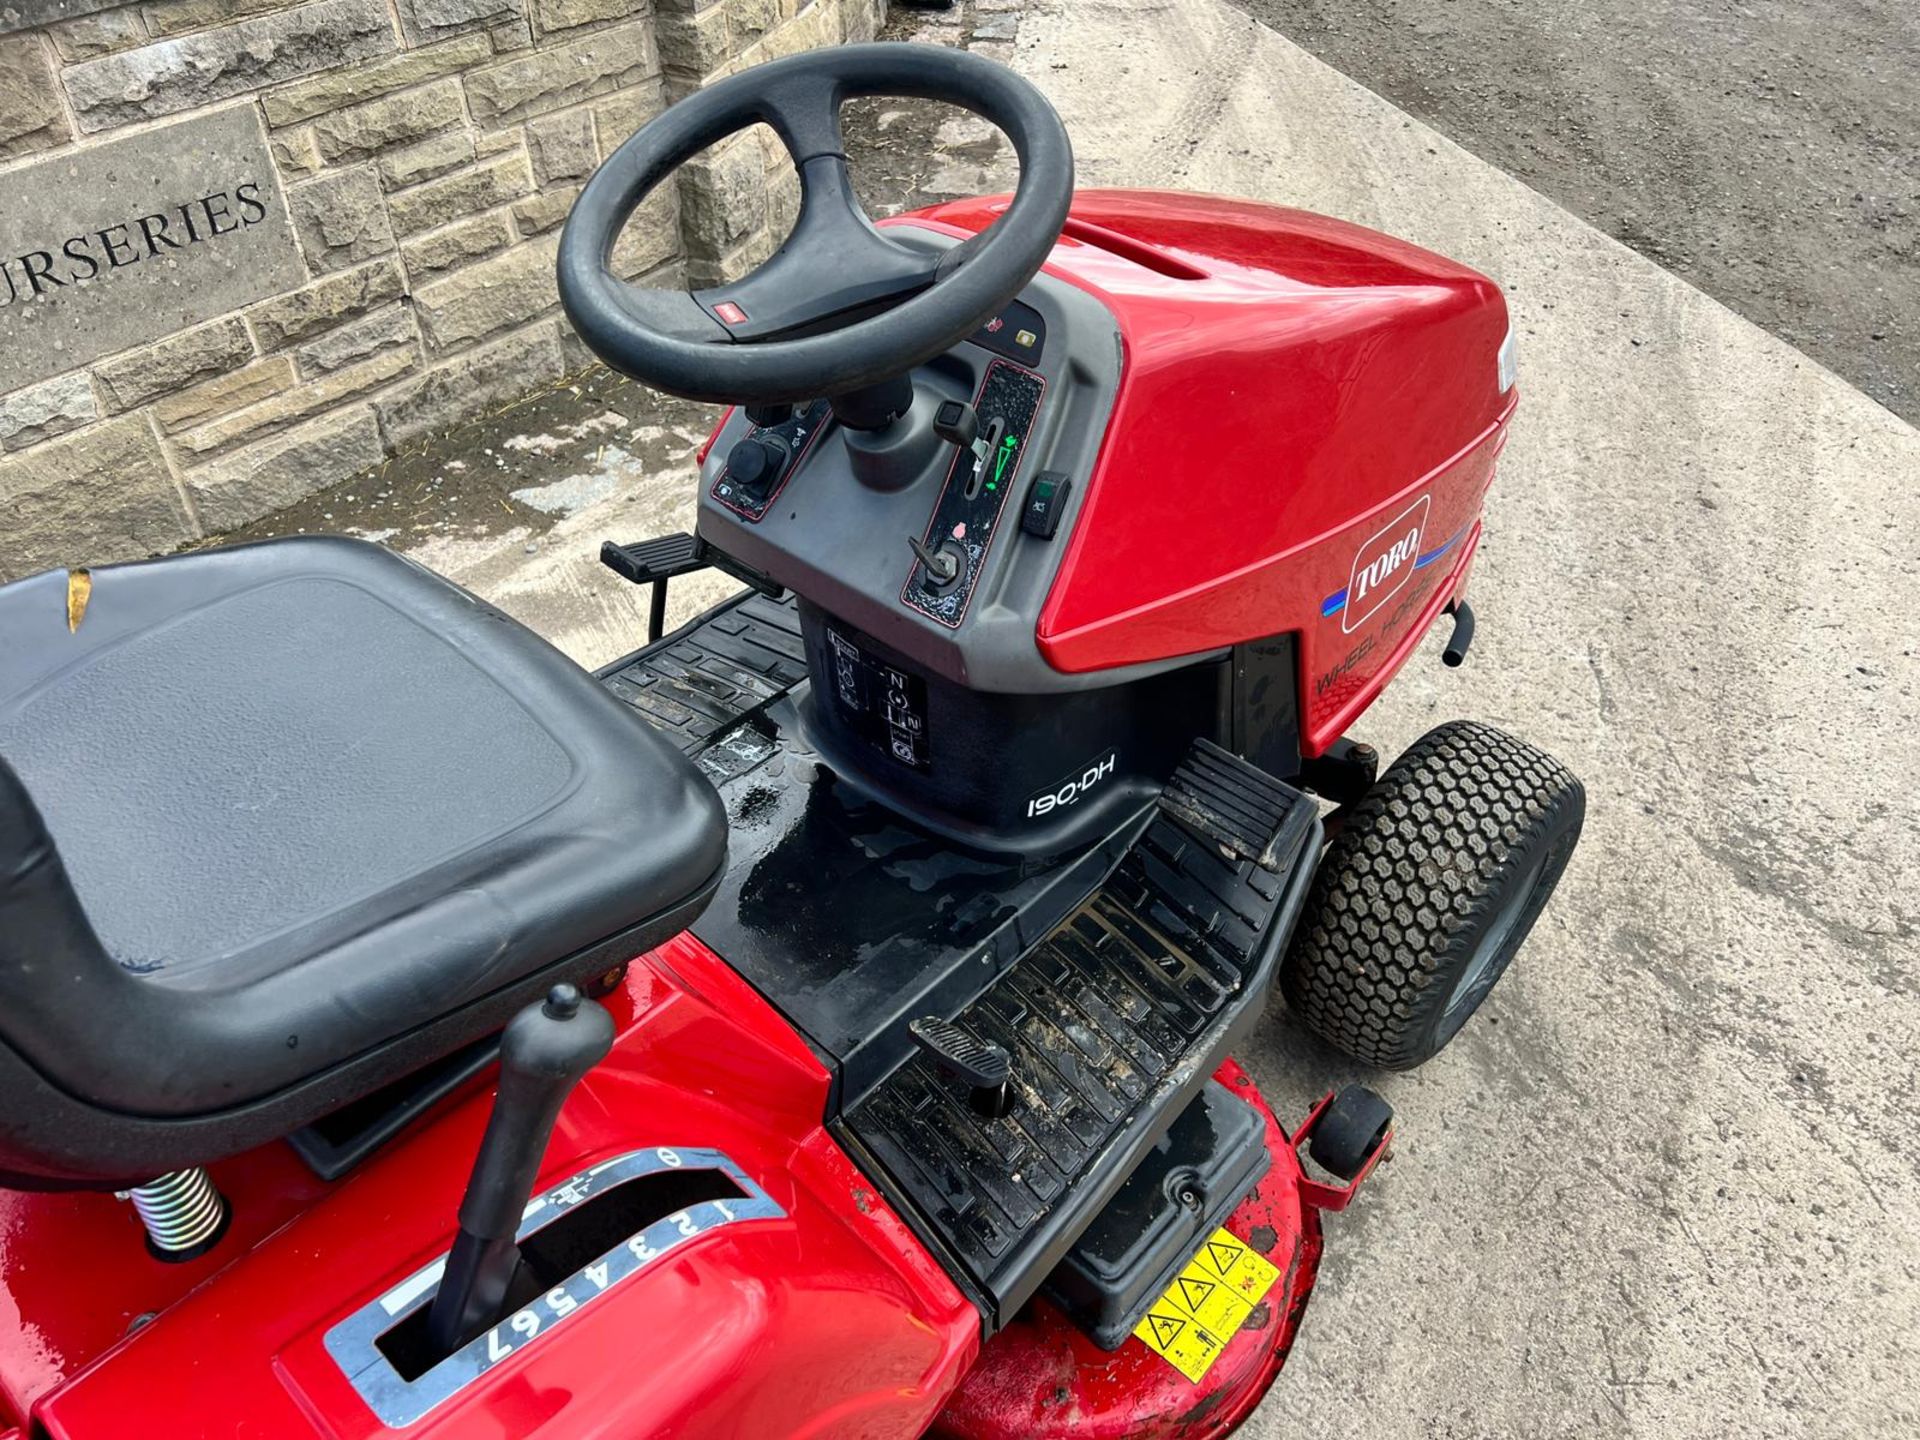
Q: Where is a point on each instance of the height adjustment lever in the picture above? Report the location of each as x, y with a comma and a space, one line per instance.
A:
544, 1052
984, 1067
956, 423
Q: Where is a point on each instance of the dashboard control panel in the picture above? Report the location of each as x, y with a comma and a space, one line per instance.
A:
932, 541
1018, 332
947, 562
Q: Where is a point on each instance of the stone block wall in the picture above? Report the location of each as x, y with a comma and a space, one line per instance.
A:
249, 248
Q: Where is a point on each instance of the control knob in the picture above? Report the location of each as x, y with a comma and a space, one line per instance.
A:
757, 461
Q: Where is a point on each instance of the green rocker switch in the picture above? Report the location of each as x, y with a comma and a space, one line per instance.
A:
1046, 502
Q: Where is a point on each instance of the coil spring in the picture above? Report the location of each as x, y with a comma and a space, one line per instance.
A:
182, 1211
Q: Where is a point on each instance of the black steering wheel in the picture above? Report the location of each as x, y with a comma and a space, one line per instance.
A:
839, 306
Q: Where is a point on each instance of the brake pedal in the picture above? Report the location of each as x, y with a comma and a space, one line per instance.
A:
984, 1067
654, 562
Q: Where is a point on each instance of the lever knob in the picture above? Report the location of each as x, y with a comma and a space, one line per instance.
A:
546, 1049
956, 423
758, 459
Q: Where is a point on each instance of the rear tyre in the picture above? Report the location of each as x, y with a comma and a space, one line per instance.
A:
1434, 880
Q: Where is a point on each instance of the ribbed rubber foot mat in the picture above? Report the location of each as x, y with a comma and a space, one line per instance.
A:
701, 680
1114, 1022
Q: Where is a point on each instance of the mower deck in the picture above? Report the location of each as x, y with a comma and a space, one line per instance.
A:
1117, 976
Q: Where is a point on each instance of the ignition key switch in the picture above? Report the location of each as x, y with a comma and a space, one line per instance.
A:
942, 563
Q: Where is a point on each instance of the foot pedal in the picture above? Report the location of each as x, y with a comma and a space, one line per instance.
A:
984, 1067
654, 562
1239, 808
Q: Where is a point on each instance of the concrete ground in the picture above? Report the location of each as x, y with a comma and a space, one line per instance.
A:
1663, 1186
1766, 150
516, 505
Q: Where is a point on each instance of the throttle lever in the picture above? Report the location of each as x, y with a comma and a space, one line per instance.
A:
956, 423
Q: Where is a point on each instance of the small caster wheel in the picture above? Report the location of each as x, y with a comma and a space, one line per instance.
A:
1348, 1132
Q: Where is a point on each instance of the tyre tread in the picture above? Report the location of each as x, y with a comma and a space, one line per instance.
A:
1413, 869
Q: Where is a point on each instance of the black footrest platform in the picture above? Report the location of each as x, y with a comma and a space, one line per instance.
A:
713, 673
1114, 1023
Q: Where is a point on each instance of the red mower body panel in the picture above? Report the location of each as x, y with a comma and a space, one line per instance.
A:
1041, 1378
1303, 439
1306, 425
829, 1321
832, 1321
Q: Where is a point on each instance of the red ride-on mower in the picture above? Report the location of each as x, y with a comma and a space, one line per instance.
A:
817, 1022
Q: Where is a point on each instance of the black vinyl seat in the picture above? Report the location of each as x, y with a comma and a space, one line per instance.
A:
282, 822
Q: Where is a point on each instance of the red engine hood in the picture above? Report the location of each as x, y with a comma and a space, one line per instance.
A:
1292, 385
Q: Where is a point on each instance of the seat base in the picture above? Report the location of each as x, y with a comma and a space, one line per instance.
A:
83, 1147
280, 823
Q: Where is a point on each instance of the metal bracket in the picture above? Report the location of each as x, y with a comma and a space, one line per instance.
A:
353, 1343
1324, 1195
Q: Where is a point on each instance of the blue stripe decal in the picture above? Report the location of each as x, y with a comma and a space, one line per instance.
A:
1433, 555
1337, 601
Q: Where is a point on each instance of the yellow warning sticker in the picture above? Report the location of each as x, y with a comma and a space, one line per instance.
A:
1208, 1301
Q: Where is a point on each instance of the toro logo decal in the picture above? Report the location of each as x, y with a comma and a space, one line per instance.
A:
1382, 565
1069, 792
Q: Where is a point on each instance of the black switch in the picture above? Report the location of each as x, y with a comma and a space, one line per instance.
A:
1046, 503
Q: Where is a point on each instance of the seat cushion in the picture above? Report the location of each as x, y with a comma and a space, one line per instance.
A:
313, 798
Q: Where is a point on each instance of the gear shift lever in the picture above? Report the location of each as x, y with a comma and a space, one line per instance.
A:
544, 1052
